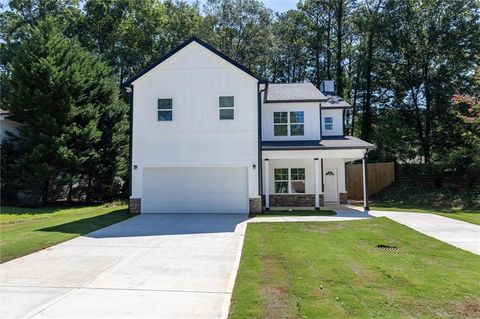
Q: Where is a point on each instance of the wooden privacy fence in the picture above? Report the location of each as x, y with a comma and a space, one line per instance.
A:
380, 175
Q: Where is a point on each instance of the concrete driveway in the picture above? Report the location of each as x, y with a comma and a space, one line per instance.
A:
149, 266
457, 233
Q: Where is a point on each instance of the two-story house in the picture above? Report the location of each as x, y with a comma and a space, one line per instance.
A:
207, 136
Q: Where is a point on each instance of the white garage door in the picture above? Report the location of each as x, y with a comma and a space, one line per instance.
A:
195, 190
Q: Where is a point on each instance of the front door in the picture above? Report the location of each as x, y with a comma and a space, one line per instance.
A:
331, 190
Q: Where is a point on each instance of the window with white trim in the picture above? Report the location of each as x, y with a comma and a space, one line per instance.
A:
226, 105
288, 123
289, 180
328, 123
165, 109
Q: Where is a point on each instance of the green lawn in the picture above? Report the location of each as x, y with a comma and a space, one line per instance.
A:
26, 230
451, 212
335, 270
280, 213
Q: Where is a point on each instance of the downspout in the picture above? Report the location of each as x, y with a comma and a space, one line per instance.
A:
321, 122
260, 158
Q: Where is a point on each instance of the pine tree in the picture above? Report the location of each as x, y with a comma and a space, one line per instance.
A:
62, 96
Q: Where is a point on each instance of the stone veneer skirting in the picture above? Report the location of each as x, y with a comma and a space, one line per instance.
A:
135, 205
297, 200
255, 205
342, 198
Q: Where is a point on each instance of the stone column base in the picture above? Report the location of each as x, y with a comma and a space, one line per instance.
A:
321, 198
255, 205
343, 198
134, 206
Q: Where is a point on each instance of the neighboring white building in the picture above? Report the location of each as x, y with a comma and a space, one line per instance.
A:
209, 137
6, 124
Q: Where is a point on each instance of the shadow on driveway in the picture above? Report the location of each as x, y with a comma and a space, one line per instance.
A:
153, 225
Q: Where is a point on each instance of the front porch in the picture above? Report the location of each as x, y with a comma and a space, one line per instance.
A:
307, 179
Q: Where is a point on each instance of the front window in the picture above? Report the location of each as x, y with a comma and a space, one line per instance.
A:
328, 123
165, 110
289, 180
281, 180
288, 123
226, 104
297, 180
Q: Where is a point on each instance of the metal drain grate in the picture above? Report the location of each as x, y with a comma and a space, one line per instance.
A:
387, 248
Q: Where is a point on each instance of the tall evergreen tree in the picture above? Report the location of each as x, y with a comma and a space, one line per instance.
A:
66, 101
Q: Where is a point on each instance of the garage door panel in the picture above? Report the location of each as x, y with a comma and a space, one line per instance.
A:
195, 190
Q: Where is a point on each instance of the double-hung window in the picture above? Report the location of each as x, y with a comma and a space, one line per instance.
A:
226, 105
289, 180
165, 109
288, 123
328, 123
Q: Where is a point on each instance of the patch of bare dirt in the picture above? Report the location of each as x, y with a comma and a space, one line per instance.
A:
323, 229
279, 302
469, 308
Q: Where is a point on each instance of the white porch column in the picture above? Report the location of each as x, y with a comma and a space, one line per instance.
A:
317, 183
365, 182
266, 179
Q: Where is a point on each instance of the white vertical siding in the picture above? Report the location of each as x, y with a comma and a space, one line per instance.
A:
195, 78
337, 115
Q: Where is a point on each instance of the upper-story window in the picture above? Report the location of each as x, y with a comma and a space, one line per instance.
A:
226, 105
288, 123
328, 123
165, 109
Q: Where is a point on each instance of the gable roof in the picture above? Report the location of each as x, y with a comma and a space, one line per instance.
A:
179, 48
293, 92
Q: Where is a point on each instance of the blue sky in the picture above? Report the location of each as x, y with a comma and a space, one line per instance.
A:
275, 5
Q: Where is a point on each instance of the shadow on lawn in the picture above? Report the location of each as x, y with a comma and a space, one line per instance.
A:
294, 213
87, 225
43, 210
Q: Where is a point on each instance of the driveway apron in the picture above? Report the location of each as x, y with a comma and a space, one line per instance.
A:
149, 266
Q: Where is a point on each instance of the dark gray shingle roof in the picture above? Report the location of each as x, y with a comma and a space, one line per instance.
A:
334, 101
290, 92
328, 142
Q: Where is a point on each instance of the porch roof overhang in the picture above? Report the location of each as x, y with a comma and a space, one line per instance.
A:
327, 143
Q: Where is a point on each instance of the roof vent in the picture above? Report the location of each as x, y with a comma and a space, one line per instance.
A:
327, 86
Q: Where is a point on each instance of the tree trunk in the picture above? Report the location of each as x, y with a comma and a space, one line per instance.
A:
428, 115
367, 112
45, 191
329, 53
70, 188
339, 71
354, 105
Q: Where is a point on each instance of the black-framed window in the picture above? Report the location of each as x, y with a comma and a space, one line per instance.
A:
281, 180
280, 123
165, 109
226, 105
289, 180
328, 123
288, 123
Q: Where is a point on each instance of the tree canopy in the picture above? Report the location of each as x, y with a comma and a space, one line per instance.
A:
408, 67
